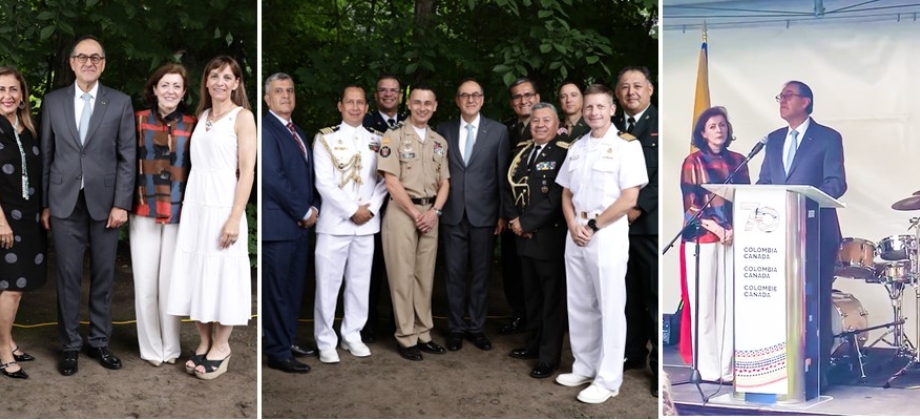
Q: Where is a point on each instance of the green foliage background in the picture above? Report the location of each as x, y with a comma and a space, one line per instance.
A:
327, 44
138, 36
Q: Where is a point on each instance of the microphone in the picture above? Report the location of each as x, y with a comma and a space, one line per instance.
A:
758, 147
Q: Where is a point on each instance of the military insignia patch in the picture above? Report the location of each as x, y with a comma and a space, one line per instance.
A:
385, 151
438, 149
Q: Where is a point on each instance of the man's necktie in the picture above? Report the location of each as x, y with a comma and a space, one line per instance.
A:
391, 122
468, 150
533, 156
630, 125
85, 116
303, 150
793, 145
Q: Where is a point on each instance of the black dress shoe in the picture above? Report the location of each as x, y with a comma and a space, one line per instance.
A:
431, 347
634, 363
298, 351
368, 335
543, 370
24, 357
106, 358
515, 326
455, 342
19, 374
479, 340
653, 388
523, 354
290, 365
68, 364
409, 353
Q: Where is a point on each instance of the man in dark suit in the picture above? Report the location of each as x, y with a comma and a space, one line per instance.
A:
808, 153
532, 202
290, 206
524, 95
640, 118
471, 218
89, 165
388, 97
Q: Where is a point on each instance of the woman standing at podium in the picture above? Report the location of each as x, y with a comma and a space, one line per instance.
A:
712, 163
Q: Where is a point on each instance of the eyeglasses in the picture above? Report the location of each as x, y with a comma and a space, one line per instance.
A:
465, 96
786, 96
518, 98
95, 59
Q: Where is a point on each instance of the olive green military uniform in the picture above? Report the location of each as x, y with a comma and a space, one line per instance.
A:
410, 254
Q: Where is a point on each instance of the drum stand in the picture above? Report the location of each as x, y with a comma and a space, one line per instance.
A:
900, 340
913, 354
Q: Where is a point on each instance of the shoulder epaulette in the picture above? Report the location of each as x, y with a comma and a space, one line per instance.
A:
373, 131
563, 144
524, 143
329, 130
626, 136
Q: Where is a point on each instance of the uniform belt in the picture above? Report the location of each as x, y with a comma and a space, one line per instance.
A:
423, 201
585, 215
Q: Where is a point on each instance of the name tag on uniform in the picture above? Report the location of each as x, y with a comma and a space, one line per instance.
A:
546, 166
407, 155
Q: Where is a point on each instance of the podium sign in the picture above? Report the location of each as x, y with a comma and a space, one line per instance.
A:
776, 278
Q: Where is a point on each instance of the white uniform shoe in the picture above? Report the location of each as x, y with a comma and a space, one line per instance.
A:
329, 356
571, 379
596, 394
357, 349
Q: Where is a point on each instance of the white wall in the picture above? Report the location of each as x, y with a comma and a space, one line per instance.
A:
866, 81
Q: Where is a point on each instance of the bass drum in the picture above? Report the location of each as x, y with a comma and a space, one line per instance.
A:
848, 315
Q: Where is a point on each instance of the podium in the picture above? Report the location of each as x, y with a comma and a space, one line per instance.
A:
776, 289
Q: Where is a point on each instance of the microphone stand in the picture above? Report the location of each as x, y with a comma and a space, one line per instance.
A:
695, 224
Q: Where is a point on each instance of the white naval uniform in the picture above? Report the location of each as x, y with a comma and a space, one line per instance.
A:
596, 171
344, 250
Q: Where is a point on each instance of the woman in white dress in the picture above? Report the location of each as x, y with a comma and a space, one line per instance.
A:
211, 281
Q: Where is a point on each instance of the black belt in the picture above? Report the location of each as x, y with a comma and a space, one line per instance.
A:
423, 201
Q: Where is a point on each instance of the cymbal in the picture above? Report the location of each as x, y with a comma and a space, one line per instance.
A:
909, 203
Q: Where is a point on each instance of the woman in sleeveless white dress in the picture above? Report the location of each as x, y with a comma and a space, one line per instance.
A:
211, 275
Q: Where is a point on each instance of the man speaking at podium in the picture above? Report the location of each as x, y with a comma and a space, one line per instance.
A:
808, 153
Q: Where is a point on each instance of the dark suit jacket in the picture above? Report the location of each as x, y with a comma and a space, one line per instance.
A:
542, 214
106, 162
646, 130
288, 189
475, 188
818, 162
580, 129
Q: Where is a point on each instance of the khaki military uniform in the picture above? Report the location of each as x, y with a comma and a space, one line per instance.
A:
421, 166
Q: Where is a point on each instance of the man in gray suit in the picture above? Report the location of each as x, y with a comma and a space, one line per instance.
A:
89, 159
471, 215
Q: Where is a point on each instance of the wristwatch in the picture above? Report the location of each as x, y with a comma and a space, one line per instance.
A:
437, 211
592, 224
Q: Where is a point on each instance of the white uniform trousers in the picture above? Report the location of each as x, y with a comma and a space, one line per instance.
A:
153, 246
716, 322
338, 258
596, 297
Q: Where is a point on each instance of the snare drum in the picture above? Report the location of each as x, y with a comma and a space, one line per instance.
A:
855, 258
848, 315
897, 247
892, 272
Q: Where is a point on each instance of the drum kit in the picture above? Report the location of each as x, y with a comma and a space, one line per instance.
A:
893, 262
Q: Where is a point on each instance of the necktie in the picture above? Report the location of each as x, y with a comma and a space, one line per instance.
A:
391, 122
793, 145
533, 156
84, 117
631, 124
303, 150
468, 150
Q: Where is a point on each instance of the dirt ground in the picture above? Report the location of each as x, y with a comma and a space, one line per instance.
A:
469, 383
138, 390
